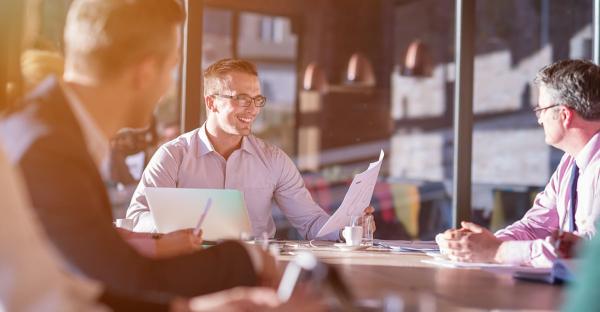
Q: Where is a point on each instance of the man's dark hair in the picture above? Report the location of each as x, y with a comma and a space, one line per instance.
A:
573, 83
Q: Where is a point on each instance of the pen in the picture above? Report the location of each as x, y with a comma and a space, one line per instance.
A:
206, 208
561, 230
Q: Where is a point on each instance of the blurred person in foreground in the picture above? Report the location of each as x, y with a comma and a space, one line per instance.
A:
33, 278
567, 209
583, 294
36, 66
223, 153
119, 55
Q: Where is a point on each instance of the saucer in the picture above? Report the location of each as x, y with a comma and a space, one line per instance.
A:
344, 247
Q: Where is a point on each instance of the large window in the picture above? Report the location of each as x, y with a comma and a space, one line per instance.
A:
511, 161
347, 78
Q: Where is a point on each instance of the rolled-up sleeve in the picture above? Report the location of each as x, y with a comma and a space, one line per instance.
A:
527, 240
161, 171
295, 201
537, 253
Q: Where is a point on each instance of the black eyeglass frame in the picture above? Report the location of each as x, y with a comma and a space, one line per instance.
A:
244, 100
538, 110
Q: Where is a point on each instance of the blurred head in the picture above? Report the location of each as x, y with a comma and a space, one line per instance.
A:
568, 90
133, 42
232, 96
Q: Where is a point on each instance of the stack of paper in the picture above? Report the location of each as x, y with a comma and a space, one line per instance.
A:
443, 262
406, 245
562, 271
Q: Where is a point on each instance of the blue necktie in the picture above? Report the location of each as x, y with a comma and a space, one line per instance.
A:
573, 204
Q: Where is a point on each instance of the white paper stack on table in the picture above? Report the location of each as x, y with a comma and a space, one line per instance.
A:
561, 271
408, 246
356, 200
442, 261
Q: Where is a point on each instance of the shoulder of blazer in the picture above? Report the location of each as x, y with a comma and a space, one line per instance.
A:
44, 115
45, 132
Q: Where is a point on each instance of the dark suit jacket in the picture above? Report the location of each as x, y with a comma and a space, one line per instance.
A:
45, 140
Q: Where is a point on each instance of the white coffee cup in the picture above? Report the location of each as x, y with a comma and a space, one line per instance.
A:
126, 224
353, 235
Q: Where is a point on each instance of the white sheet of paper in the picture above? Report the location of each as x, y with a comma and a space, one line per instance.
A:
356, 200
465, 265
406, 245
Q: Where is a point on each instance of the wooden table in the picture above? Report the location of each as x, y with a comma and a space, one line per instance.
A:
376, 273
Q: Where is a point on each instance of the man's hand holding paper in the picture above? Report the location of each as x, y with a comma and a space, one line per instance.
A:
358, 196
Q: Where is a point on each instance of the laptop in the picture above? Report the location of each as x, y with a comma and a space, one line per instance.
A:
180, 208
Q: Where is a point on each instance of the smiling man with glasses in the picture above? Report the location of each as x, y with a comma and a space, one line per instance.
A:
223, 153
567, 210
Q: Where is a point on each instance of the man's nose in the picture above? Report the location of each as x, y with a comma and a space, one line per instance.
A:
252, 108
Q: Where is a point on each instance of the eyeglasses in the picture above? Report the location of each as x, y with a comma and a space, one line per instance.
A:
538, 110
245, 100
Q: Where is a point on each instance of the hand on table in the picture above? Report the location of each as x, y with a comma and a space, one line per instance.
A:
167, 245
567, 245
178, 243
471, 243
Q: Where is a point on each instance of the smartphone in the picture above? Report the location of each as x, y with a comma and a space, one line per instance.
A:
306, 269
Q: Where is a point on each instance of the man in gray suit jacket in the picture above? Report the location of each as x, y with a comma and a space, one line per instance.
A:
118, 61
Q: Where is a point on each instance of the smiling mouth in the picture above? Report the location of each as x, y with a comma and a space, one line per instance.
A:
245, 119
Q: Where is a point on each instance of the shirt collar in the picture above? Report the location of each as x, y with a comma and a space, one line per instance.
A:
206, 146
97, 144
591, 148
248, 146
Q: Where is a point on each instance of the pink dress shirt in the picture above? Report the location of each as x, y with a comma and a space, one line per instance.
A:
260, 170
527, 240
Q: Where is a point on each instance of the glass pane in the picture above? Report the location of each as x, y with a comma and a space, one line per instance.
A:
266, 37
422, 85
275, 123
511, 161
216, 41
382, 79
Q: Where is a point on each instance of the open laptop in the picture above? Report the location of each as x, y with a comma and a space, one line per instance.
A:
180, 208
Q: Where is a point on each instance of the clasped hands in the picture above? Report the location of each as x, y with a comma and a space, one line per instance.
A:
474, 243
470, 243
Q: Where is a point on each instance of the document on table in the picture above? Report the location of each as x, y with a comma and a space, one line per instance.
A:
409, 246
563, 270
443, 262
356, 200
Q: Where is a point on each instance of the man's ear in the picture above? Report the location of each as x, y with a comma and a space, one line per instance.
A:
567, 115
210, 103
